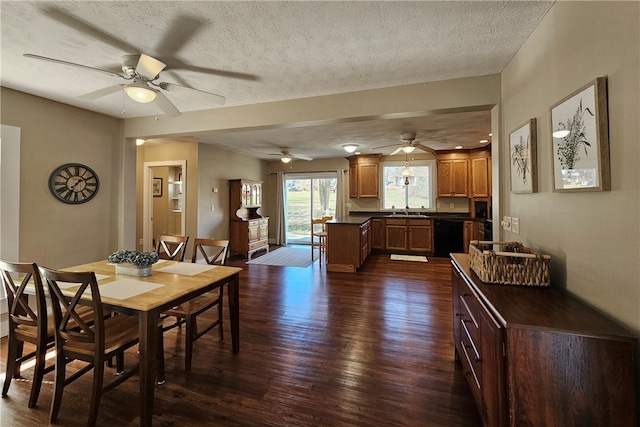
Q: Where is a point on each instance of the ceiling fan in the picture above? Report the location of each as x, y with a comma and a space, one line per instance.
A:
141, 71
286, 156
408, 144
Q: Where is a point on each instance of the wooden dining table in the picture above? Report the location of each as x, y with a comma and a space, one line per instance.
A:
171, 283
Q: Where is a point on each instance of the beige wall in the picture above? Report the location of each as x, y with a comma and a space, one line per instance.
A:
217, 167
53, 233
594, 237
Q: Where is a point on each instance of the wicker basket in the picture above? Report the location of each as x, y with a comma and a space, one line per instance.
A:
512, 264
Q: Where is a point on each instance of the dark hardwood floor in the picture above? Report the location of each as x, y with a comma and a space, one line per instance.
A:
368, 349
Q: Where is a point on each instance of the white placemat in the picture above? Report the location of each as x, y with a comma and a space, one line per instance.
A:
127, 288
186, 268
66, 285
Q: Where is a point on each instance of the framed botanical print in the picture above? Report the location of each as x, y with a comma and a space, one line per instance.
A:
580, 140
523, 155
157, 187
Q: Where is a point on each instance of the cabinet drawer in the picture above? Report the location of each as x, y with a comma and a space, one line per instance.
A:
257, 244
471, 366
469, 304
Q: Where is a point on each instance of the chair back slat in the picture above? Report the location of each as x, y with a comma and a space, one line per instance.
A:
213, 251
69, 323
171, 247
20, 312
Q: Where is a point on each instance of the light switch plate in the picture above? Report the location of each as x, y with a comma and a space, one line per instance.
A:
515, 225
506, 223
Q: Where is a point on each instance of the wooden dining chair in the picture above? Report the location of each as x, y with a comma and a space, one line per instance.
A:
76, 339
171, 247
26, 325
211, 251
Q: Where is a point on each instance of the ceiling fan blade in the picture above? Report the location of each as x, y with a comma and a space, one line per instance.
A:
73, 64
396, 151
177, 64
173, 87
87, 29
175, 38
385, 146
166, 105
149, 67
302, 157
101, 92
425, 148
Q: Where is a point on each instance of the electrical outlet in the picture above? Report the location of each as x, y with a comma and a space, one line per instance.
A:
515, 225
141, 242
213, 208
506, 223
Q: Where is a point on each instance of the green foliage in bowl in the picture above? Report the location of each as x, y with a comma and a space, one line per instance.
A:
141, 259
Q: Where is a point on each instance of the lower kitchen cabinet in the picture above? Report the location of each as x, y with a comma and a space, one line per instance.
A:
377, 233
539, 357
408, 235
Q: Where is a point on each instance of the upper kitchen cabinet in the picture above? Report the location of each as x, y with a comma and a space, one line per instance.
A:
480, 162
453, 175
364, 176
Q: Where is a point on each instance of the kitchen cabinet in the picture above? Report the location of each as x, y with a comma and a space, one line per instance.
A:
408, 235
364, 180
469, 234
348, 243
248, 229
453, 176
377, 233
536, 356
480, 174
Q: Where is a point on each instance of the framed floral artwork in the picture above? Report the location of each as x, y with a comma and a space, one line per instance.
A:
522, 158
580, 140
157, 187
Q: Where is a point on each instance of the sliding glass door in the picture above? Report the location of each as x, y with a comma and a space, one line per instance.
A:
307, 196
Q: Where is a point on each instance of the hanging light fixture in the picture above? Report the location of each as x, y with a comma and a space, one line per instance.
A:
140, 92
350, 148
139, 141
406, 171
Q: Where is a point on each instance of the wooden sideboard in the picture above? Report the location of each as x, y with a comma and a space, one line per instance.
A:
536, 356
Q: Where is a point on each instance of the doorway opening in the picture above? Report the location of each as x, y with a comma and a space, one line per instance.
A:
164, 200
307, 196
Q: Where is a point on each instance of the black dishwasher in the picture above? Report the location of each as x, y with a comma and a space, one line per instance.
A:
448, 237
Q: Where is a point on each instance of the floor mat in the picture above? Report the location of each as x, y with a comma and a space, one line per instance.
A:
417, 258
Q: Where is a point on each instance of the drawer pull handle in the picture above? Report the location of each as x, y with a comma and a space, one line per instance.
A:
467, 372
458, 314
464, 294
476, 358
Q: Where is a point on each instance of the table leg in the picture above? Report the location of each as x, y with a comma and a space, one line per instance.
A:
148, 328
234, 311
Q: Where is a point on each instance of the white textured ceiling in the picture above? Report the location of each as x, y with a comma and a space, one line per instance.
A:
293, 49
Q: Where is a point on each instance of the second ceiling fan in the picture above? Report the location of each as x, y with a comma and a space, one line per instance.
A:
408, 145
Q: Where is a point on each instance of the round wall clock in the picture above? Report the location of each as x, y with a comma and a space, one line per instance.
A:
74, 183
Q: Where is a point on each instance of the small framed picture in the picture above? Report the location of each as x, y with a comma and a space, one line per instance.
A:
157, 187
580, 135
523, 155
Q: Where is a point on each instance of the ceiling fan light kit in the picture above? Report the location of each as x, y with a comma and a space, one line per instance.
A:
286, 158
140, 92
350, 148
408, 149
